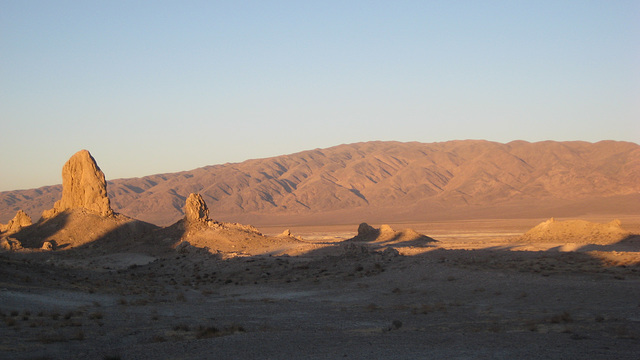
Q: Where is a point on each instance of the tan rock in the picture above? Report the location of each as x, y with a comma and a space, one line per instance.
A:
18, 222
195, 209
386, 236
10, 244
83, 186
286, 233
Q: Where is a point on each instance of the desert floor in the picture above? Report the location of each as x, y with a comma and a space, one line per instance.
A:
474, 294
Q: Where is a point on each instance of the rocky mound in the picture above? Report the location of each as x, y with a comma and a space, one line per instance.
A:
576, 231
83, 186
18, 222
386, 236
196, 231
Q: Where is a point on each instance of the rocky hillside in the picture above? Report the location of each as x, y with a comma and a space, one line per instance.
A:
385, 181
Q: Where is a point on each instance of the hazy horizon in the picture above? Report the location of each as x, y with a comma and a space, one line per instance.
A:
175, 86
108, 178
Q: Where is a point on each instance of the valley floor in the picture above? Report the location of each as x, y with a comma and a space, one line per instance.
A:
475, 294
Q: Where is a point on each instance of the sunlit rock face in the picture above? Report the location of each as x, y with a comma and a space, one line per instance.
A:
196, 209
18, 222
83, 186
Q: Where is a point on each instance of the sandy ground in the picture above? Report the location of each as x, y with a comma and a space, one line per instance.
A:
475, 294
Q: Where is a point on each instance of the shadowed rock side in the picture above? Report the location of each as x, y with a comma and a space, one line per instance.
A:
18, 222
83, 186
80, 227
197, 233
386, 236
576, 231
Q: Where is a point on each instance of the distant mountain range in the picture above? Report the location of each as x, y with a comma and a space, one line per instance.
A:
385, 182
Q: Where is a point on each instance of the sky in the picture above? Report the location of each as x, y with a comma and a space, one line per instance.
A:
162, 86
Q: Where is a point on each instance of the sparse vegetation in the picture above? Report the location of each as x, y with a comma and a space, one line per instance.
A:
564, 317
96, 316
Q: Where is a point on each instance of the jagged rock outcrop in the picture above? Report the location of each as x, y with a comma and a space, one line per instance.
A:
195, 209
18, 222
83, 186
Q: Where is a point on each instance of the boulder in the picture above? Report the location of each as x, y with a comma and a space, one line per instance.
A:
48, 246
83, 186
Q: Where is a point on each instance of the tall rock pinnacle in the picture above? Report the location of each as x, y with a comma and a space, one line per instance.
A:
83, 186
195, 209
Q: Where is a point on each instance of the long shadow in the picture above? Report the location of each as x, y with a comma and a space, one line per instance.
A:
138, 236
124, 233
32, 236
629, 243
508, 258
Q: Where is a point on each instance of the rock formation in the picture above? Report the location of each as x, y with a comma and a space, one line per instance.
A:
365, 230
10, 244
18, 222
386, 236
83, 186
195, 209
576, 231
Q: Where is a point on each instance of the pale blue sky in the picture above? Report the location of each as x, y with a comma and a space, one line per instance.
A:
163, 86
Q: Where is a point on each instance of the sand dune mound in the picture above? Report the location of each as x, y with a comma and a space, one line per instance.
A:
386, 236
576, 231
196, 230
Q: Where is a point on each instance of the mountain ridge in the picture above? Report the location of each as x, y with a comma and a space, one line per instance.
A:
387, 180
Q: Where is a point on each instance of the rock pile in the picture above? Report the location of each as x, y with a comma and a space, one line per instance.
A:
83, 186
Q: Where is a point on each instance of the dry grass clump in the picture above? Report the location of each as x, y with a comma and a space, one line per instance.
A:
564, 317
429, 308
204, 332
